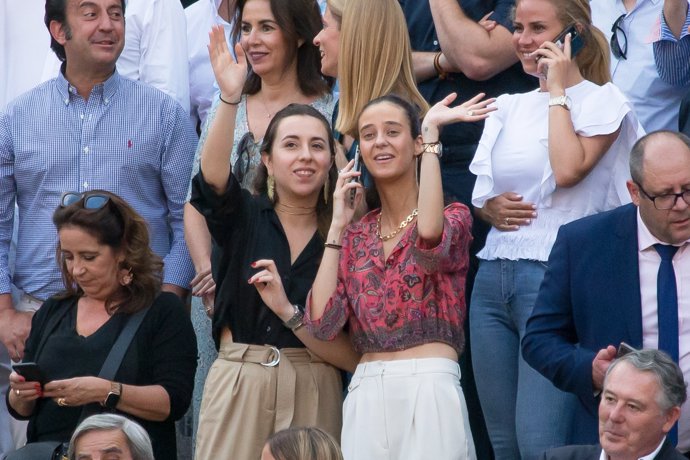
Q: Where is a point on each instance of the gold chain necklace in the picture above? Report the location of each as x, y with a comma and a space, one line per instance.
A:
402, 225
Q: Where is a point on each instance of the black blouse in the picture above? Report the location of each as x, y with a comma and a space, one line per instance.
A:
246, 228
163, 352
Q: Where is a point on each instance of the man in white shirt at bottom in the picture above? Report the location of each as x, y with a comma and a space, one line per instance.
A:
640, 403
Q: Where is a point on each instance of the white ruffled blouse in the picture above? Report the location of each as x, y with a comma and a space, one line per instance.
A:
513, 156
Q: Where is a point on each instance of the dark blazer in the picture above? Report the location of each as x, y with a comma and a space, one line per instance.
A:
667, 452
590, 298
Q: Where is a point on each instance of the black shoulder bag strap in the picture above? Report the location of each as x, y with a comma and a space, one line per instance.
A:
117, 353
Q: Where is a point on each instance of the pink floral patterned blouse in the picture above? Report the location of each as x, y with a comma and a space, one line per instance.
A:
414, 297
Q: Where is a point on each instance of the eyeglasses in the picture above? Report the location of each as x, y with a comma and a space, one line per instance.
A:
618, 51
91, 201
244, 154
668, 201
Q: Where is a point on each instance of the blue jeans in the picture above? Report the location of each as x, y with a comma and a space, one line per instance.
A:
525, 414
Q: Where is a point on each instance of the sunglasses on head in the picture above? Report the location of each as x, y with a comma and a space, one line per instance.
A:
91, 201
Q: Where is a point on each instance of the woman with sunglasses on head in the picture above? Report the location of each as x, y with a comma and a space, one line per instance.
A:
397, 278
270, 245
545, 158
111, 276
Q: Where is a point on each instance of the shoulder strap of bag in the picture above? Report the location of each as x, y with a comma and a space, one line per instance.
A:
117, 352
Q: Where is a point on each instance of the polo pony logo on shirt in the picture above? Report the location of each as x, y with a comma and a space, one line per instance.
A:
129, 143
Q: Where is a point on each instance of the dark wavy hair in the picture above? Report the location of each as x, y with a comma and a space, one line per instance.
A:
324, 211
118, 226
297, 19
56, 10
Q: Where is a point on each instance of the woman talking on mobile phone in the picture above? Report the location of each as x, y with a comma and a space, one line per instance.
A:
545, 158
397, 278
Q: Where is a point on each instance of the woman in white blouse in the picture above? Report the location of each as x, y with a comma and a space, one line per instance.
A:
545, 158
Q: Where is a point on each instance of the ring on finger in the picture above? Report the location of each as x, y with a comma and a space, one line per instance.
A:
470, 113
505, 221
17, 392
61, 402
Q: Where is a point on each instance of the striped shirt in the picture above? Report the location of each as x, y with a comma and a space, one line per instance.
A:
128, 138
672, 55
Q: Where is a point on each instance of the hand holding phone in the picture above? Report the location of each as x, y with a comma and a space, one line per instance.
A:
30, 371
356, 167
576, 44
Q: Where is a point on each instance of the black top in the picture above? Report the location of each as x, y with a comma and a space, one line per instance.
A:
460, 139
163, 352
246, 228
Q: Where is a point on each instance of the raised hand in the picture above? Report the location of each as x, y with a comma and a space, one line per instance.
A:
442, 114
230, 74
343, 206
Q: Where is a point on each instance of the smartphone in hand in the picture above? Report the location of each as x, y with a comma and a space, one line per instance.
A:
30, 371
356, 167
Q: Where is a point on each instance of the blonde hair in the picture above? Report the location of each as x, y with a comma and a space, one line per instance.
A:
336, 7
375, 59
594, 58
307, 443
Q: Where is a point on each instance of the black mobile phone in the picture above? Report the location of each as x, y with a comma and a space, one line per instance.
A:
624, 349
30, 371
356, 167
576, 40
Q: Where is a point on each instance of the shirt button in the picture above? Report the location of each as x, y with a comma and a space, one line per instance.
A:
81, 116
86, 184
435, 42
268, 329
106, 100
86, 150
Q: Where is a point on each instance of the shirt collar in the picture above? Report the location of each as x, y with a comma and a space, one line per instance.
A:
105, 90
645, 239
651, 456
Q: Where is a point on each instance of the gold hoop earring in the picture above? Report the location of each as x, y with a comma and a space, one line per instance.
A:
271, 188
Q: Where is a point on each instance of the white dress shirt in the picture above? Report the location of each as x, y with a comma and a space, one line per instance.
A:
651, 456
156, 47
201, 16
655, 101
649, 261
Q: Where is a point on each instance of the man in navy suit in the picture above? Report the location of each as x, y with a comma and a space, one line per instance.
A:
601, 285
641, 400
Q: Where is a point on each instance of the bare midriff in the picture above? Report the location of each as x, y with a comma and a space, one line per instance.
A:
427, 350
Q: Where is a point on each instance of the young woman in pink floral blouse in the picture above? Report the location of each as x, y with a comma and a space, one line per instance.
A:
397, 278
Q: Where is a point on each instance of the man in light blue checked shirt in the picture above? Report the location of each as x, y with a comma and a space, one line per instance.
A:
87, 129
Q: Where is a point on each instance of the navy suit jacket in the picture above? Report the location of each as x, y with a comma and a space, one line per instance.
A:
667, 452
590, 298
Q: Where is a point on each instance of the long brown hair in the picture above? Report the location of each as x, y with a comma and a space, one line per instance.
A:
118, 226
297, 19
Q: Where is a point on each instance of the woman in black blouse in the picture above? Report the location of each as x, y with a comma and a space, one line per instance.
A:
264, 379
110, 273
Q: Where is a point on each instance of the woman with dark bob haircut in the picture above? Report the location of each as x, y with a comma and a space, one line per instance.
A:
110, 274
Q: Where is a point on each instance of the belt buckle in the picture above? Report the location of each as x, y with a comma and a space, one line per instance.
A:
276, 358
